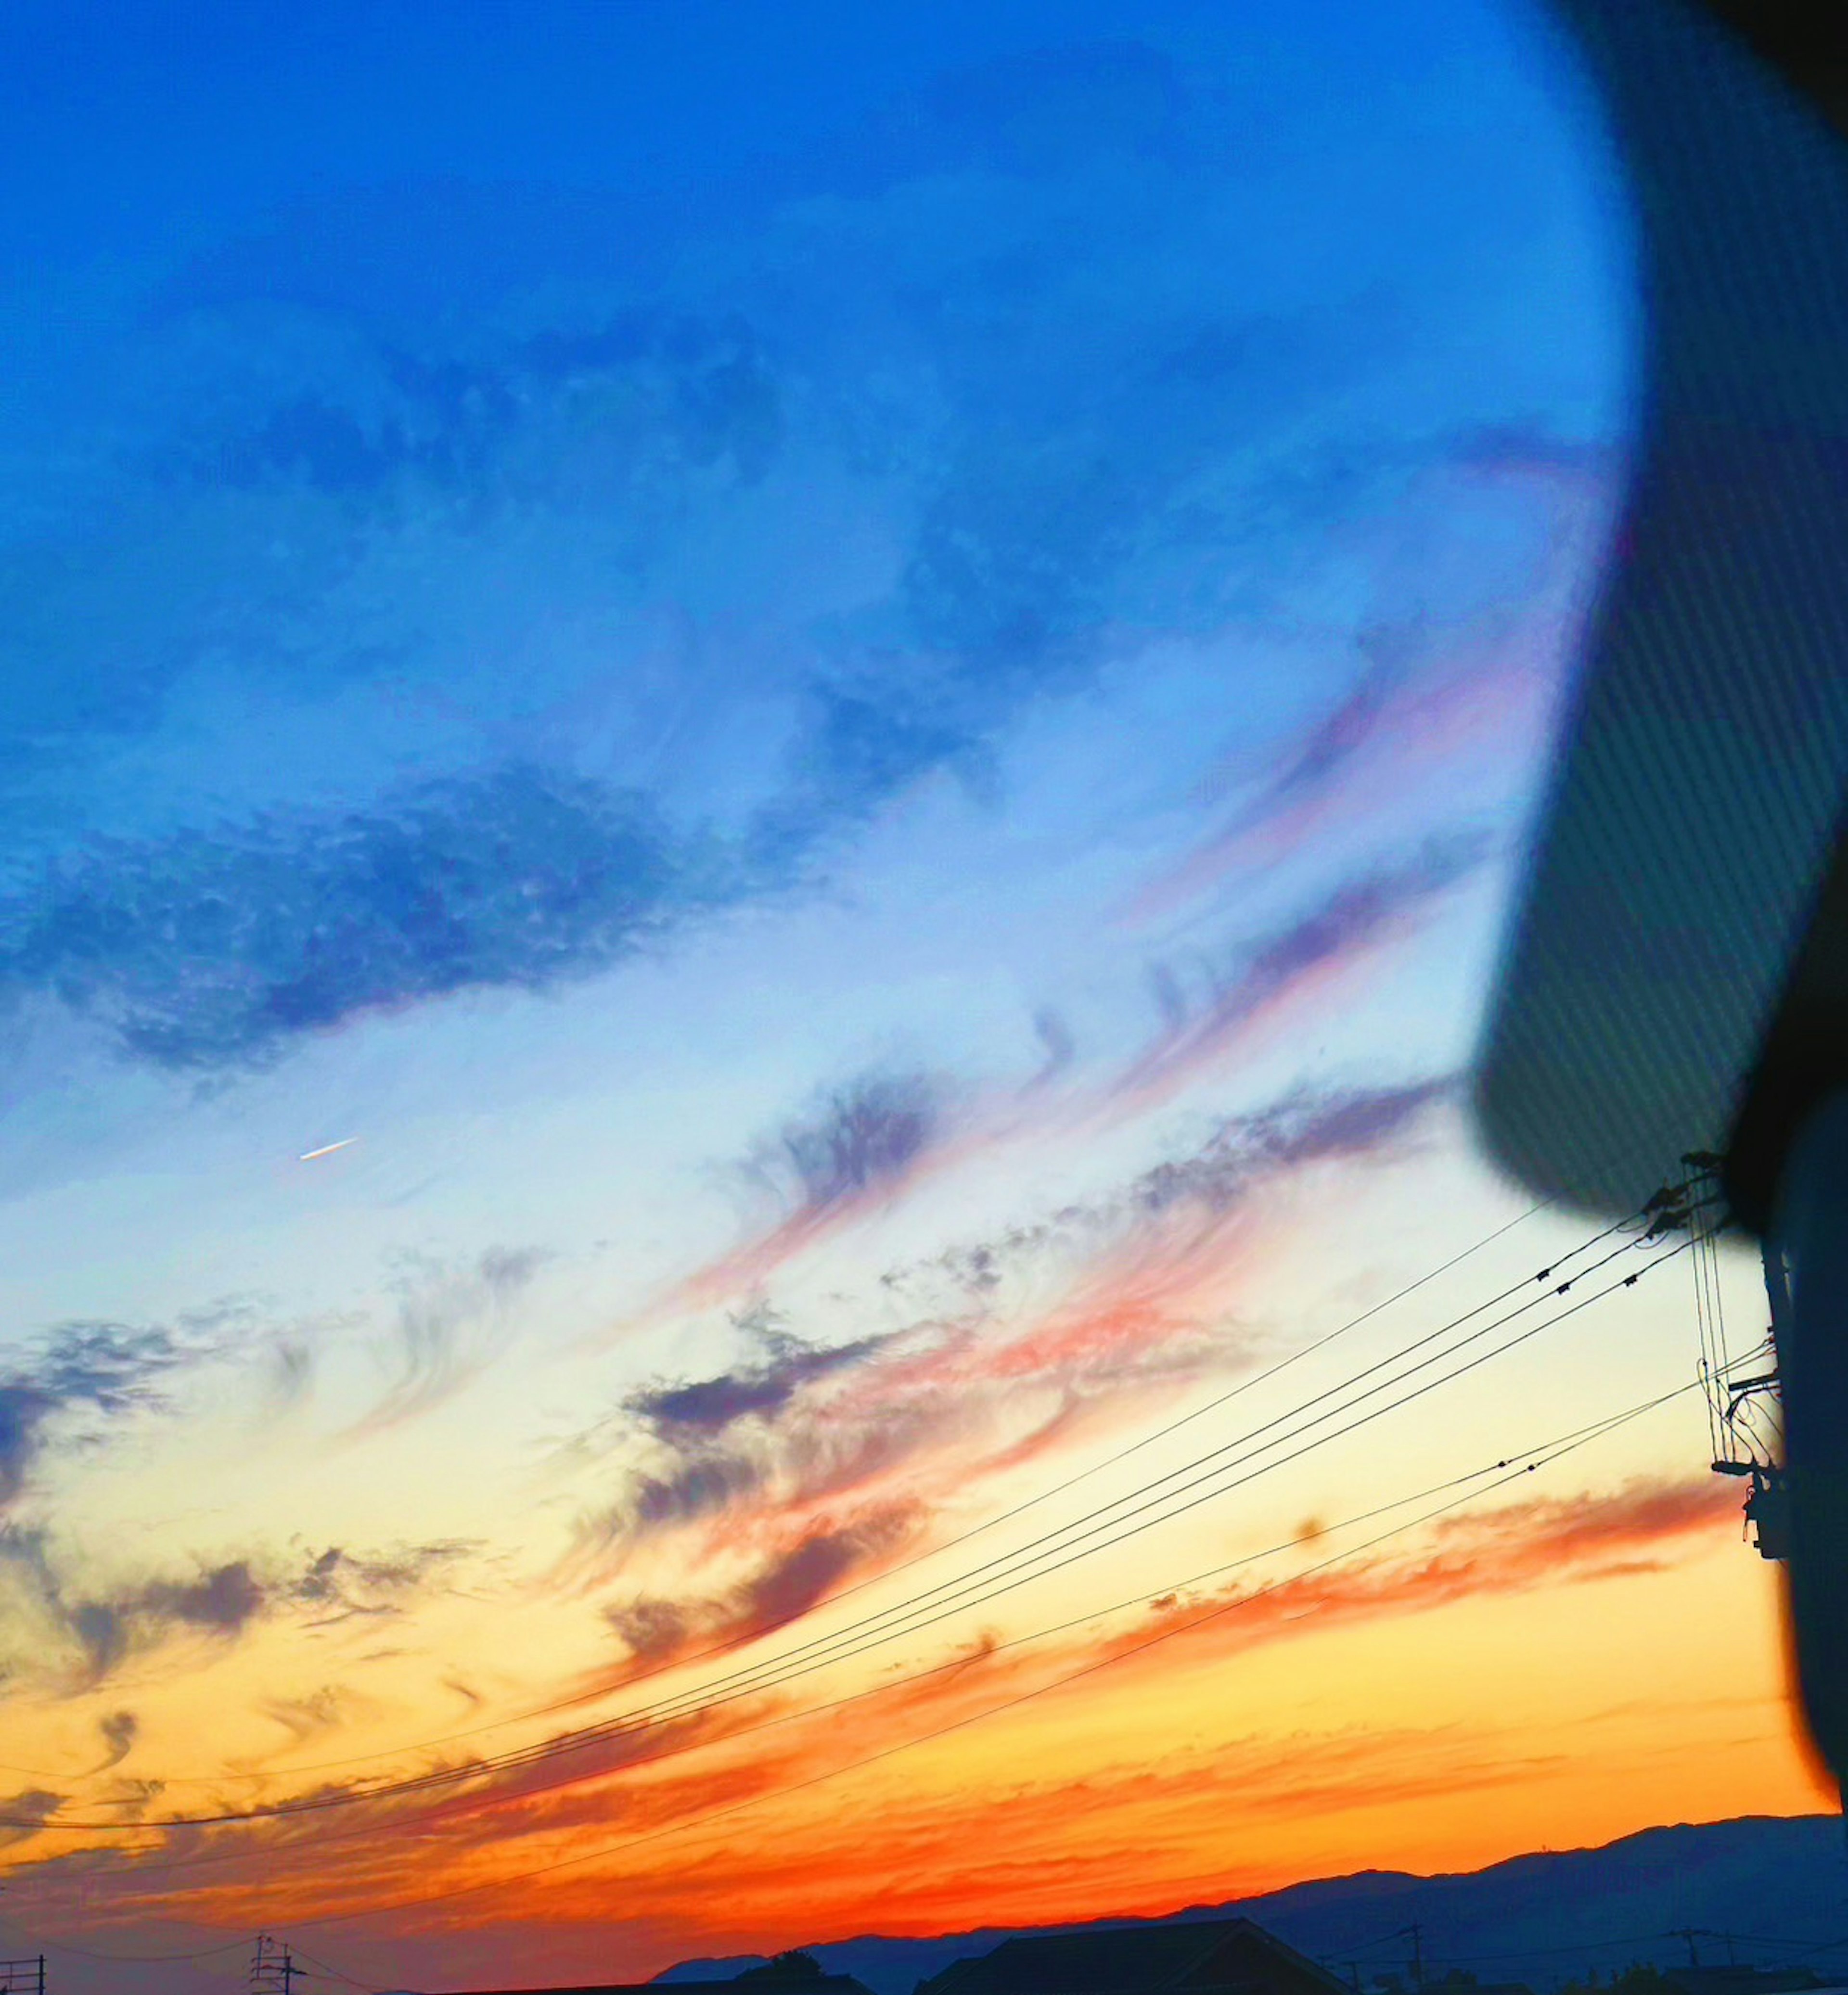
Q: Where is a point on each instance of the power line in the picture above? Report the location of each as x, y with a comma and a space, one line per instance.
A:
335, 1973
197, 1953
1541, 1456
1707, 1343
1043, 1555
886, 1752
203, 1953
733, 1643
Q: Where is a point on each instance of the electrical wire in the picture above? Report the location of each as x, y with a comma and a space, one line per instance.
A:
901, 1609
140, 1959
334, 1973
908, 1618
731, 1644
1716, 1425
1540, 1456
1087, 1670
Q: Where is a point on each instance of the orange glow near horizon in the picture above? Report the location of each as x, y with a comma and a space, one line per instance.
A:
1436, 1716
765, 775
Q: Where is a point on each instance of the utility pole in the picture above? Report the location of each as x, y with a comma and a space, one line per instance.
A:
1690, 1933
273, 1969
23, 1977
1417, 1934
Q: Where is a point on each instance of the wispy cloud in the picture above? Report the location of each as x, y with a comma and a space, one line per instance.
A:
1511, 1547
208, 953
339, 1585
1499, 1549
1311, 768
1349, 923
801, 1445
790, 1583
1428, 693
449, 1319
717, 1758
308, 1717
1307, 1127
855, 1148
863, 1139
57, 1623
107, 1368
118, 1729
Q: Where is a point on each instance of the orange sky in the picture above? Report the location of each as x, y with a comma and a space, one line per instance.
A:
740, 968
1537, 1671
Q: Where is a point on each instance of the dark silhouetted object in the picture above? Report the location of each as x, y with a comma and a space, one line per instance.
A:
799, 1981
1677, 978
1214, 1957
1731, 1979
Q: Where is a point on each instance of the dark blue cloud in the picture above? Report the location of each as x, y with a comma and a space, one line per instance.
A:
789, 1585
340, 1585
23, 1410
867, 1134
715, 1439
23, 1812
107, 1368
1310, 1126
702, 1481
210, 953
1355, 914
118, 1729
709, 1404
976, 328
1240, 1156
222, 1601
198, 954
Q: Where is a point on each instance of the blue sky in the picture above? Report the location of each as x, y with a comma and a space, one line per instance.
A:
853, 697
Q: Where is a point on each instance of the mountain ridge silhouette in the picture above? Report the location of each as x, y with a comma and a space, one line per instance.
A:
1544, 1917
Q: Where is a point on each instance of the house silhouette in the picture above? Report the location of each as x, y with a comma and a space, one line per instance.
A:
1206, 1957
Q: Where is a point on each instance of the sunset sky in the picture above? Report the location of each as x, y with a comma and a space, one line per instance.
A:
761, 768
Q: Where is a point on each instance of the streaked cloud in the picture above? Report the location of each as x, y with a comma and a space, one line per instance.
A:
855, 1147
1043, 1333
109, 1369
1505, 1548
200, 953
790, 1583
447, 1317
684, 664
61, 1625
118, 1729
1348, 924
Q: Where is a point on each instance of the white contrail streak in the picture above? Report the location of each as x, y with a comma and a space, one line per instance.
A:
326, 1149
